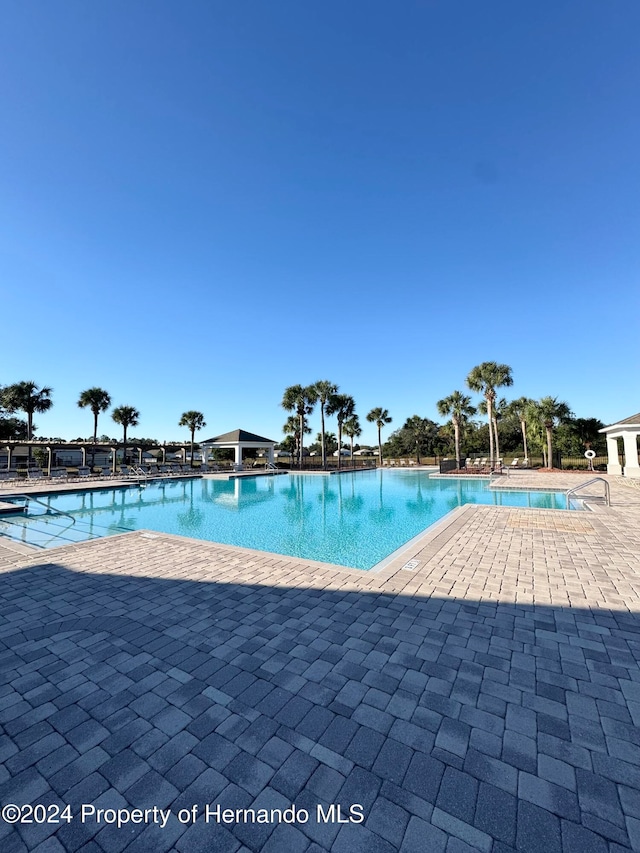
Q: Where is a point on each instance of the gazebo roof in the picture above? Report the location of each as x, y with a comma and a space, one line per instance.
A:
238, 436
633, 421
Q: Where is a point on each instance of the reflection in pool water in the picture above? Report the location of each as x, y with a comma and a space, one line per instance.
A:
354, 519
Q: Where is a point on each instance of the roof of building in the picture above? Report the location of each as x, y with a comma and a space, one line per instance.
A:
236, 436
634, 420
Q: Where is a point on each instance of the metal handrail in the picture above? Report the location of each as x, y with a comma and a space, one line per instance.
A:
499, 472
50, 510
607, 489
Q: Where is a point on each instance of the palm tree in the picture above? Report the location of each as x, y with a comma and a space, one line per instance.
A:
497, 412
28, 398
330, 442
321, 392
343, 407
380, 417
300, 400
126, 416
536, 435
458, 406
520, 409
484, 379
292, 429
552, 412
352, 429
98, 400
193, 421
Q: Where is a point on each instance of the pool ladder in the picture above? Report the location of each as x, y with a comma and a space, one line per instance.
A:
607, 490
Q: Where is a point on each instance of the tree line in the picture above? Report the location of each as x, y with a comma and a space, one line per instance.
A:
31, 399
522, 424
303, 399
538, 425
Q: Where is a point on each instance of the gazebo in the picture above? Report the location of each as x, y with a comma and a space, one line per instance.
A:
628, 430
238, 439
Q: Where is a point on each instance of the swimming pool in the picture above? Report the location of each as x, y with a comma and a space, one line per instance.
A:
353, 520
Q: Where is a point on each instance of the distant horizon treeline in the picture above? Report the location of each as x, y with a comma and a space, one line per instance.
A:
521, 425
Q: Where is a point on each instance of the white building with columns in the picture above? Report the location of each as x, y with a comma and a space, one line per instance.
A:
629, 431
237, 440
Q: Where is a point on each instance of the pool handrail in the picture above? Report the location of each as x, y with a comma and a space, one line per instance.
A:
50, 510
607, 489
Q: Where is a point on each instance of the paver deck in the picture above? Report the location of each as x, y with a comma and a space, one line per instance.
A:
487, 699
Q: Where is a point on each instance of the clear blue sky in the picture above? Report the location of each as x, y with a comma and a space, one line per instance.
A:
202, 203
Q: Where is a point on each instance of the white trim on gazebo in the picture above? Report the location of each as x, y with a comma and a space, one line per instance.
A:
629, 431
238, 439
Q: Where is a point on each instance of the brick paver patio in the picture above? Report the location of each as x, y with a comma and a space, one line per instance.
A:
488, 699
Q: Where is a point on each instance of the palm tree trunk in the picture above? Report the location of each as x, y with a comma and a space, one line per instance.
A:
549, 447
339, 443
523, 427
193, 434
497, 444
124, 451
490, 419
300, 441
456, 432
95, 438
29, 436
324, 449
379, 446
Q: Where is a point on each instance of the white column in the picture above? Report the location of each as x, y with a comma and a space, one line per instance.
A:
238, 454
613, 464
270, 454
631, 466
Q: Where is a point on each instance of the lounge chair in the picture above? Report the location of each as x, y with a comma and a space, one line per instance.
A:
84, 472
212, 468
35, 474
8, 476
60, 474
514, 463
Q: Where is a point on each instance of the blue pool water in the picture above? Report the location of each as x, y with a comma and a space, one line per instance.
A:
351, 520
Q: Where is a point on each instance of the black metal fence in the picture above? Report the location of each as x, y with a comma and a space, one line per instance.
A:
314, 463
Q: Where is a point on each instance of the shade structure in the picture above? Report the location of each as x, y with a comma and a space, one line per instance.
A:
238, 440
